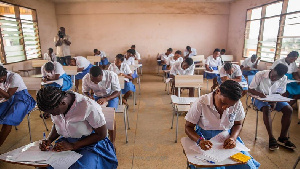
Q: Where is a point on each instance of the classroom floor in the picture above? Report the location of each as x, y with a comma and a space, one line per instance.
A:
151, 141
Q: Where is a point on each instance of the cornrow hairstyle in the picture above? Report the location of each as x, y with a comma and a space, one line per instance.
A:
281, 69
95, 71
231, 89
49, 97
294, 54
189, 61
227, 66
178, 52
120, 57
3, 71
49, 66
217, 50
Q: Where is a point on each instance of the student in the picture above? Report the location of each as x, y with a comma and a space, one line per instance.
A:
50, 56
137, 55
189, 52
79, 125
183, 68
271, 82
233, 72
53, 71
165, 57
223, 51
249, 66
122, 69
83, 66
104, 61
212, 62
293, 89
215, 112
129, 58
18, 101
174, 59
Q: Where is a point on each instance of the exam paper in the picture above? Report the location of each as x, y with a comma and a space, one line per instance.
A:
33, 154
59, 81
275, 98
64, 159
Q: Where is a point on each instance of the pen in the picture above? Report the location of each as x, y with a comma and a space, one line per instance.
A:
205, 160
44, 136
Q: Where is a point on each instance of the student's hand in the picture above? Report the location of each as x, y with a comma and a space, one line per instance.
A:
44, 80
261, 95
121, 74
102, 101
45, 145
272, 105
229, 143
247, 68
205, 144
259, 58
63, 146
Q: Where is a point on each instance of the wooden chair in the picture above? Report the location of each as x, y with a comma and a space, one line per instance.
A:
227, 58
198, 58
38, 64
93, 59
195, 81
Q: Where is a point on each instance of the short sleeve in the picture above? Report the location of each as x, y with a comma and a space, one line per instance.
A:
95, 117
283, 85
193, 115
110, 67
295, 68
59, 69
238, 71
207, 60
43, 71
173, 70
16, 81
115, 85
127, 69
255, 81
85, 83
191, 70
239, 110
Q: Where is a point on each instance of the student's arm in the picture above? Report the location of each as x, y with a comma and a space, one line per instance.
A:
55, 77
190, 131
296, 75
45, 145
8, 94
235, 132
80, 69
67, 41
88, 95
256, 63
208, 68
256, 93
237, 78
128, 76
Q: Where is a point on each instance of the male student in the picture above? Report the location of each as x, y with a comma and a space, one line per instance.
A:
104, 61
165, 57
183, 68
106, 87
273, 82
189, 52
50, 56
249, 66
223, 51
137, 55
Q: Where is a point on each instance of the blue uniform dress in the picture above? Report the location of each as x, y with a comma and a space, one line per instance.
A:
111, 103
243, 81
293, 88
249, 72
67, 83
83, 73
104, 61
211, 75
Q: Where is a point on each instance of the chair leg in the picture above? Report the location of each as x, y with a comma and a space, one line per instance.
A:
166, 86
16, 128
139, 86
176, 127
256, 124
125, 114
28, 120
173, 118
296, 163
44, 120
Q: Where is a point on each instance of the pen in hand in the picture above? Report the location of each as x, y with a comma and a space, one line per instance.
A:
205, 160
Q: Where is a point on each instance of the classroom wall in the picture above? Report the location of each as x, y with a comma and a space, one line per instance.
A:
237, 24
153, 27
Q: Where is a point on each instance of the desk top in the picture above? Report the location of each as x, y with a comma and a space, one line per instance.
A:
213, 72
183, 100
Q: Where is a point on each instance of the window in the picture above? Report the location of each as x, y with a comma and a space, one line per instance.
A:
272, 30
18, 34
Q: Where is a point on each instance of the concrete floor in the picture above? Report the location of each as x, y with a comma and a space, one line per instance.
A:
151, 141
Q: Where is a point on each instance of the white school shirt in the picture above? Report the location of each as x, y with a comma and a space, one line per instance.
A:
171, 60
177, 69
108, 85
292, 67
102, 54
211, 62
247, 63
125, 69
58, 69
193, 53
64, 49
82, 62
129, 61
137, 55
262, 83
236, 72
84, 115
47, 57
13, 80
165, 57
204, 113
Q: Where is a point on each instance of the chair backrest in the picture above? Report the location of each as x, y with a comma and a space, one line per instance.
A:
241, 62
32, 83
188, 80
70, 70
38, 63
122, 82
262, 66
109, 114
227, 58
198, 58
93, 59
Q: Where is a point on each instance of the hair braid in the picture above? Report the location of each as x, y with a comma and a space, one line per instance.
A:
49, 97
231, 89
3, 71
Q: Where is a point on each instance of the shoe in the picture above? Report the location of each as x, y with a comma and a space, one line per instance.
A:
273, 145
285, 142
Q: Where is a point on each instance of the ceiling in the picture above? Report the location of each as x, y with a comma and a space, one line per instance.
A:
64, 1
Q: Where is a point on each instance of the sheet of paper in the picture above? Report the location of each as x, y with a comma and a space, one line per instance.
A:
275, 98
183, 100
63, 160
291, 81
33, 153
213, 72
59, 81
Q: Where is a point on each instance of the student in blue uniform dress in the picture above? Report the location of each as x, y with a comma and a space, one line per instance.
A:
79, 125
249, 66
16, 101
104, 61
215, 112
212, 62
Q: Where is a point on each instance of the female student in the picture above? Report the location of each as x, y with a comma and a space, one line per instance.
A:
83, 66
215, 112
212, 62
53, 71
104, 61
174, 59
249, 66
80, 126
50, 56
165, 57
18, 101
129, 58
122, 69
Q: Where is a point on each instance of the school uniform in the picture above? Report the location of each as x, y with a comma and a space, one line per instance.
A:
293, 88
177, 69
13, 110
193, 53
129, 61
102, 61
47, 57
82, 62
65, 84
77, 124
129, 86
108, 85
165, 58
236, 72
171, 61
137, 55
261, 82
247, 63
205, 116
213, 64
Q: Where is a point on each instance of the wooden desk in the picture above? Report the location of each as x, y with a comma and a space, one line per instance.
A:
199, 68
186, 143
133, 68
195, 81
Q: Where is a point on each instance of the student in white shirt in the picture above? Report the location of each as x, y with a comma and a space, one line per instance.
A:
18, 102
50, 56
129, 58
62, 43
122, 69
249, 66
223, 51
183, 68
215, 112
212, 62
174, 59
137, 55
78, 125
189, 52
83, 66
165, 57
104, 61
293, 88
269, 82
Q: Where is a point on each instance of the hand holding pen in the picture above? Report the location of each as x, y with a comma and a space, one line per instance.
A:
45, 145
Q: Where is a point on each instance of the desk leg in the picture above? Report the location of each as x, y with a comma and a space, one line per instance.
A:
207, 85
125, 118
168, 88
139, 85
173, 116
176, 127
178, 91
28, 120
141, 71
199, 91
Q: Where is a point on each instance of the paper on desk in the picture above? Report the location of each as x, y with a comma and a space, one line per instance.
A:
213, 72
33, 153
217, 152
59, 81
64, 159
275, 98
183, 100
291, 81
